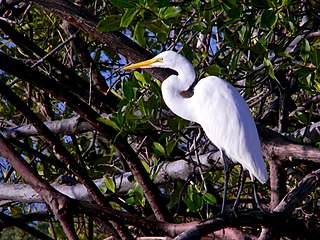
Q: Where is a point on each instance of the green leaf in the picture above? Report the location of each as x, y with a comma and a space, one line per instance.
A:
132, 116
142, 107
284, 54
146, 166
194, 200
230, 3
114, 92
128, 16
305, 50
110, 23
260, 51
188, 53
163, 3
268, 19
190, 205
127, 91
315, 56
232, 9
207, 14
138, 34
213, 70
234, 13
201, 27
136, 196
159, 149
170, 146
286, 3
269, 67
234, 61
131, 201
109, 184
302, 118
122, 3
190, 191
198, 202
209, 198
260, 4
156, 28
108, 122
155, 87
171, 12
176, 195
139, 77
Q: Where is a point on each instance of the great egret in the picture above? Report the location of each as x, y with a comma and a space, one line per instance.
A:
217, 106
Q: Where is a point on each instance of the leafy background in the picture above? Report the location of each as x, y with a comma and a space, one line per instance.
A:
269, 50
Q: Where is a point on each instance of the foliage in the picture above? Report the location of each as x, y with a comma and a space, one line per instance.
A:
268, 49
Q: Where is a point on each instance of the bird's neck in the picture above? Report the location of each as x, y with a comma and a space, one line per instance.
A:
173, 89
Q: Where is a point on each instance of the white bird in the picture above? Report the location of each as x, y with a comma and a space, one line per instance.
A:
217, 106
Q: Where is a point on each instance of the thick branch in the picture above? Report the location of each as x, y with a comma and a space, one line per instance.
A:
53, 140
58, 147
53, 198
169, 172
292, 200
84, 20
85, 111
22, 223
295, 197
69, 126
67, 76
277, 183
196, 229
276, 146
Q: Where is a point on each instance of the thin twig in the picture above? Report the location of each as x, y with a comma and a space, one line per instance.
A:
73, 36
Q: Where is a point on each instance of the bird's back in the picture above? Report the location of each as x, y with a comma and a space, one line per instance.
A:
226, 119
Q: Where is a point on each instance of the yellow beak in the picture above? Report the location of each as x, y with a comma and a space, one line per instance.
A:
146, 63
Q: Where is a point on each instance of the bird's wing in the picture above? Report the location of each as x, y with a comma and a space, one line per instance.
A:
228, 123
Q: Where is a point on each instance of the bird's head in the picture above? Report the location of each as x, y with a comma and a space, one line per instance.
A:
167, 59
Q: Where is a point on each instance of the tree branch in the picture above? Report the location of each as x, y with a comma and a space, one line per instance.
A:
10, 65
276, 146
169, 172
22, 223
53, 140
69, 126
59, 148
295, 197
67, 76
87, 22
196, 229
57, 202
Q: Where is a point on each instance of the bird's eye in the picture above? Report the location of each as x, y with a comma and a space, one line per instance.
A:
160, 59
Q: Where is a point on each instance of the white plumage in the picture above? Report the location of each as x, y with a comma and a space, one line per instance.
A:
217, 106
